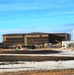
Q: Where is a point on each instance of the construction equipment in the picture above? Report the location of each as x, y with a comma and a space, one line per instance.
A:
59, 44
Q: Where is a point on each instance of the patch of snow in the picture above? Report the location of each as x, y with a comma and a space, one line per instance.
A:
45, 65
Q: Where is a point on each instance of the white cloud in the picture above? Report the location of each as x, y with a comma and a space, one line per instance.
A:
56, 13
52, 28
8, 30
34, 4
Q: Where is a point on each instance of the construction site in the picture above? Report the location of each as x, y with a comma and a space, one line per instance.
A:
34, 40
37, 54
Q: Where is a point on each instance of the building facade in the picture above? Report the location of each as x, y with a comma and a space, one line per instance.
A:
36, 38
11, 39
30, 39
59, 37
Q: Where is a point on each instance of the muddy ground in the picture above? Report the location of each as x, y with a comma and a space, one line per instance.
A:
52, 72
29, 52
34, 58
20, 57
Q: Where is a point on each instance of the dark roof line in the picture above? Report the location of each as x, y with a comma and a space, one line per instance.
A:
32, 33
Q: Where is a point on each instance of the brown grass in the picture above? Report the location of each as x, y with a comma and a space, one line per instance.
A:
54, 72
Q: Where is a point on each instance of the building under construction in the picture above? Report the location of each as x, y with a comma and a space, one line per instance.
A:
32, 39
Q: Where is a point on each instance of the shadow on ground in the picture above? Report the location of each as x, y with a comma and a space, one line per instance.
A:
31, 52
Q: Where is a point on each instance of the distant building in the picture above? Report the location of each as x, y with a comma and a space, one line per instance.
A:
30, 39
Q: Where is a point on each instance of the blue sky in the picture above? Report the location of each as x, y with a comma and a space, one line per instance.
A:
21, 16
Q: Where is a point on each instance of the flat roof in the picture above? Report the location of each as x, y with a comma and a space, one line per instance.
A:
33, 33
25, 33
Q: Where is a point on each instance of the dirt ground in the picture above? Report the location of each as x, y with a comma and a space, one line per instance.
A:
34, 58
2, 50
54, 72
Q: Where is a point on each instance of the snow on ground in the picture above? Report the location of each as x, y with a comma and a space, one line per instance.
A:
67, 52
45, 65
